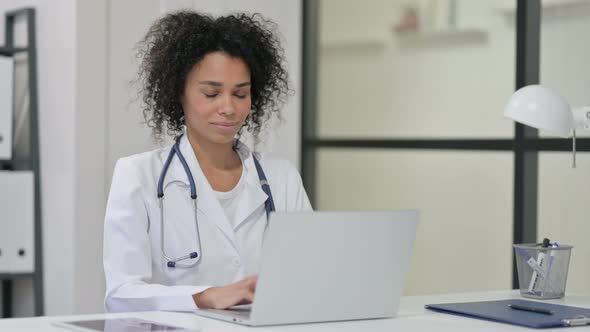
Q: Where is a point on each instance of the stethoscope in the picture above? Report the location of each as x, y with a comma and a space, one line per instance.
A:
269, 205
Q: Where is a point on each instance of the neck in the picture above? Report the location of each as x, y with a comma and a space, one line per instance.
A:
214, 155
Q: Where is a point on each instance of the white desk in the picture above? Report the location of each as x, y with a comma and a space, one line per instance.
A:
412, 317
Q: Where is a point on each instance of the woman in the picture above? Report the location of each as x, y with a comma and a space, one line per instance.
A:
184, 224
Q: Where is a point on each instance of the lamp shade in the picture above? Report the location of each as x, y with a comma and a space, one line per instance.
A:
542, 108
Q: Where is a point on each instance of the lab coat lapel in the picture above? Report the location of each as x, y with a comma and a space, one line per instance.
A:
253, 196
207, 202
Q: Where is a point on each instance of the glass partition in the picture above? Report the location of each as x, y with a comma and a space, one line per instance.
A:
465, 202
446, 75
564, 194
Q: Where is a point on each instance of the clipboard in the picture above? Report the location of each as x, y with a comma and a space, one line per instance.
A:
499, 311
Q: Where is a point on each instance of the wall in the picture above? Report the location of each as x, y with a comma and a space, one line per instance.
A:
91, 132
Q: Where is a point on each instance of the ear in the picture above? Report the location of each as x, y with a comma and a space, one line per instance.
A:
181, 104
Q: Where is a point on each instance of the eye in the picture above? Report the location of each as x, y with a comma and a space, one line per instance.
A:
210, 95
242, 93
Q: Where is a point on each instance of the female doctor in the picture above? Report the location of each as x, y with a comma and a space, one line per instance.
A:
184, 224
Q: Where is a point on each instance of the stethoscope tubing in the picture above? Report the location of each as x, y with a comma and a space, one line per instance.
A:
196, 255
176, 262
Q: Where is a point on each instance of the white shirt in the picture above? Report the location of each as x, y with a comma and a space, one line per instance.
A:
137, 278
229, 200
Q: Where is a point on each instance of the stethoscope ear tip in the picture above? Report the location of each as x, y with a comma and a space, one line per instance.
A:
171, 264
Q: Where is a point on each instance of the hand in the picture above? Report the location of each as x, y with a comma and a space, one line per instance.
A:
241, 292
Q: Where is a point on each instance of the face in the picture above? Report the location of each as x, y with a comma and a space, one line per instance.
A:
216, 99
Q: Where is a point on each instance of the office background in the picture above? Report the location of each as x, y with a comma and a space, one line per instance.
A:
372, 83
415, 120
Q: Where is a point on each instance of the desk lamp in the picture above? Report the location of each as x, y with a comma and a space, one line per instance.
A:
543, 108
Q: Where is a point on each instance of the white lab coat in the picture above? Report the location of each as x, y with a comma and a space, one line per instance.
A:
137, 278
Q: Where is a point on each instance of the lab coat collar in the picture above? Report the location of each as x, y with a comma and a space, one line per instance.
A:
207, 202
253, 196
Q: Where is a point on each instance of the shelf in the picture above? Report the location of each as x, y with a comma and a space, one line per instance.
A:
11, 276
16, 164
359, 43
10, 51
446, 36
408, 38
28, 159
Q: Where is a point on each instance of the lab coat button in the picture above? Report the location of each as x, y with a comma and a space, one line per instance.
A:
237, 262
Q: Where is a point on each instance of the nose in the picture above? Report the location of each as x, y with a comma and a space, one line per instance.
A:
227, 106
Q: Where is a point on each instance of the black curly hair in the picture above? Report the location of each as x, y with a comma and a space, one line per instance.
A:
178, 41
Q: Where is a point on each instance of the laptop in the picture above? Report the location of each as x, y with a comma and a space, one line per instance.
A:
329, 266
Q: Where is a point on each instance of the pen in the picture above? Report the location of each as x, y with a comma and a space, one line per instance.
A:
531, 309
540, 262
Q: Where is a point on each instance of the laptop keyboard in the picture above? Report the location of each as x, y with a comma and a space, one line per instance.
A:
242, 312
239, 313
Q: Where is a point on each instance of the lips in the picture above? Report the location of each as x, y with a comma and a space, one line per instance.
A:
225, 126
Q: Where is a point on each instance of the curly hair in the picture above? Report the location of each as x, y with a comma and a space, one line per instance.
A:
180, 40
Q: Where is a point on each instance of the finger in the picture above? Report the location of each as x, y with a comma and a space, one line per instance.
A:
249, 296
244, 283
245, 297
244, 301
251, 282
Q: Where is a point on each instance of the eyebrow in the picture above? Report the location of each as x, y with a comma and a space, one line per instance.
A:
219, 84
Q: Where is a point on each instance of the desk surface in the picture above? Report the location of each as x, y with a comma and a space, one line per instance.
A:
412, 317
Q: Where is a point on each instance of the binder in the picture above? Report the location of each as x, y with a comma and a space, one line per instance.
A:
17, 215
6, 106
499, 311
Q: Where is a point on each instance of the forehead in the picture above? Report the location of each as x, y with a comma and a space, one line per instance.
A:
221, 66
